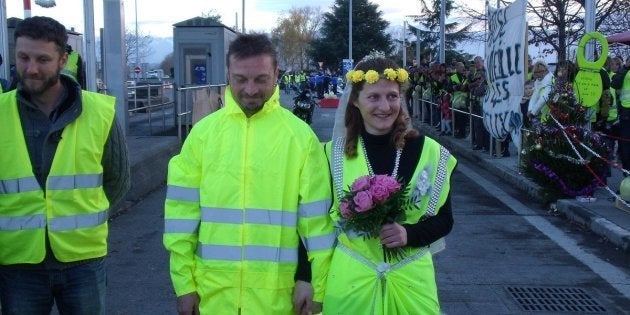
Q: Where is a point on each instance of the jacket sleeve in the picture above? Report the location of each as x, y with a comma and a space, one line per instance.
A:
315, 226
427, 231
115, 164
182, 214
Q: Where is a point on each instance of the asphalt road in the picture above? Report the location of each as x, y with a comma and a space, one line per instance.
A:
505, 254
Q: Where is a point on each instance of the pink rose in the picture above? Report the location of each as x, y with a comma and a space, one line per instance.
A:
388, 182
379, 192
361, 183
344, 208
363, 201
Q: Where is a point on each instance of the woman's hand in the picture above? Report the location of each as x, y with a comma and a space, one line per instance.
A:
393, 235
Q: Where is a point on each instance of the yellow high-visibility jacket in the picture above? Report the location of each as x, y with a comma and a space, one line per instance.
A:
359, 281
624, 94
241, 195
459, 97
73, 208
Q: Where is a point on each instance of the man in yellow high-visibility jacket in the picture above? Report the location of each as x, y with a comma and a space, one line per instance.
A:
63, 162
250, 184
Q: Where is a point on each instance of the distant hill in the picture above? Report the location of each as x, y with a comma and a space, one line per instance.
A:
161, 46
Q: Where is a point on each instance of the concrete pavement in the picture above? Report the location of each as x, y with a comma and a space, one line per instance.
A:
600, 216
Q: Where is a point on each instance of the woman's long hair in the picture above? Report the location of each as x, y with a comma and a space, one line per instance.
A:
402, 129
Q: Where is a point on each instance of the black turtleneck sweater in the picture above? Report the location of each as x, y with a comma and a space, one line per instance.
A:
381, 155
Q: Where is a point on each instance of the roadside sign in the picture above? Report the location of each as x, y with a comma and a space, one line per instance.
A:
136, 69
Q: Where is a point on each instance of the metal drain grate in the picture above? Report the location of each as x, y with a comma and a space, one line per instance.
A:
556, 299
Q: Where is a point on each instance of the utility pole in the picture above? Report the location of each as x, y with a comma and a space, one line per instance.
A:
243, 31
89, 45
137, 64
589, 26
442, 31
350, 29
4, 41
404, 46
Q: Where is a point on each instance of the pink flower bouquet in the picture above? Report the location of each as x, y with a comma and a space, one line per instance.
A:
371, 202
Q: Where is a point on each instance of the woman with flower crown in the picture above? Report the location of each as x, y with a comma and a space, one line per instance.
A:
373, 136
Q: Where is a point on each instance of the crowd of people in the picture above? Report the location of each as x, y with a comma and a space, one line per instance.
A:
448, 95
322, 83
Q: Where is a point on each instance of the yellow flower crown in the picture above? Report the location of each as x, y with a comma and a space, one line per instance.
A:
371, 76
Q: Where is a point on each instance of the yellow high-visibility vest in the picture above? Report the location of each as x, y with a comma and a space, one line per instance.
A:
358, 262
73, 208
624, 95
72, 66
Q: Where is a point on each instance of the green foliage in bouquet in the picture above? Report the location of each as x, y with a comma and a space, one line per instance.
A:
548, 154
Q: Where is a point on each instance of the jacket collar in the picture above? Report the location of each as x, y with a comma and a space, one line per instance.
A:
234, 108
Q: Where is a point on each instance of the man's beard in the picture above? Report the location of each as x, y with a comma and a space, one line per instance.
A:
46, 84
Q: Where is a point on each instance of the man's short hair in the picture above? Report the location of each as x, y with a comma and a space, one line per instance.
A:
251, 45
43, 28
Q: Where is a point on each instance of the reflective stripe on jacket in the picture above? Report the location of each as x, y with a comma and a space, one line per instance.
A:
405, 287
73, 208
241, 194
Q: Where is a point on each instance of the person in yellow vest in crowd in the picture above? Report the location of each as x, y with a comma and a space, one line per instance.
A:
459, 90
373, 135
621, 83
74, 67
543, 84
64, 164
246, 189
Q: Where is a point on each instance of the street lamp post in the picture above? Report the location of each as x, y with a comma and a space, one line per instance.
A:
137, 39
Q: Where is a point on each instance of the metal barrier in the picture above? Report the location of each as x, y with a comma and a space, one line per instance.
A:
148, 98
186, 99
434, 108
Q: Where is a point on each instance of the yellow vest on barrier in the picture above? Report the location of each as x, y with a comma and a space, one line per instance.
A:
74, 207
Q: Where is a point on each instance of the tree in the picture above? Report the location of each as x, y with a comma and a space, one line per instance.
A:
167, 64
137, 48
550, 149
368, 33
429, 21
212, 15
617, 22
560, 23
293, 35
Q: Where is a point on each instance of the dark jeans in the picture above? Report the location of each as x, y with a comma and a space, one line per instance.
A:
76, 290
624, 133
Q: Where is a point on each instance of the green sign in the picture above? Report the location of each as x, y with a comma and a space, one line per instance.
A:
588, 82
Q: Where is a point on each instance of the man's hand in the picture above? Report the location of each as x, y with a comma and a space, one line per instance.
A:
303, 298
188, 304
316, 308
393, 235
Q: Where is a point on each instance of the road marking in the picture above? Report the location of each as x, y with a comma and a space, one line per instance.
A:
616, 277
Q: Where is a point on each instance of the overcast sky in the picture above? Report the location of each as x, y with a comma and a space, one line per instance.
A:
156, 17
